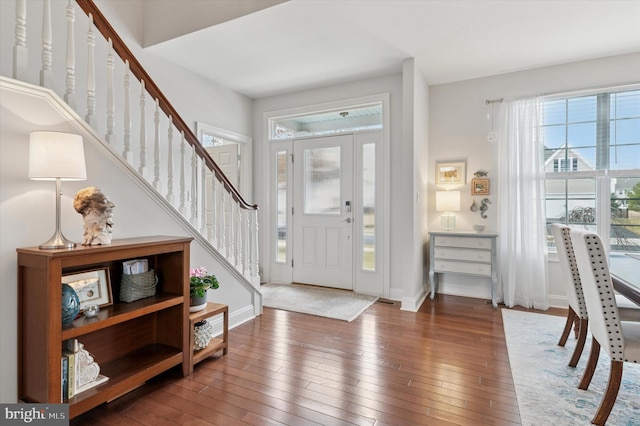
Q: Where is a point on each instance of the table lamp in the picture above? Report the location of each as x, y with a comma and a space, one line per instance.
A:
448, 202
56, 156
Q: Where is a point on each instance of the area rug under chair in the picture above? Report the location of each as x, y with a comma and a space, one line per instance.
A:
329, 303
547, 388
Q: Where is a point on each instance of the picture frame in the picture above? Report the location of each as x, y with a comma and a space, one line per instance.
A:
480, 186
92, 287
451, 173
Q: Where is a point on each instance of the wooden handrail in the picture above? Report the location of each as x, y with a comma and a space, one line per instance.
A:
105, 28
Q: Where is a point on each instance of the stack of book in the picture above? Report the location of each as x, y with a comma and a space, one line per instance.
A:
74, 369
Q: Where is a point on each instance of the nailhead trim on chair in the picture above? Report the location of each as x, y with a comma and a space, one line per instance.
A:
573, 265
600, 269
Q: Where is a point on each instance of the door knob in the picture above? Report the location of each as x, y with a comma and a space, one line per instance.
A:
348, 220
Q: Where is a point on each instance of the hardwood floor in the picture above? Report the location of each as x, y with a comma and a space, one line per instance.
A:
446, 364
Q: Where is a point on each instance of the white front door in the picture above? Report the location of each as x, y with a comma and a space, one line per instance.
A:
322, 213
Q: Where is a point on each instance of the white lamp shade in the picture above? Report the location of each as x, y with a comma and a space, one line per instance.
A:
56, 155
447, 201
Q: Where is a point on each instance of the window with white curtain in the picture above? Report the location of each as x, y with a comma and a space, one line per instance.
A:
592, 164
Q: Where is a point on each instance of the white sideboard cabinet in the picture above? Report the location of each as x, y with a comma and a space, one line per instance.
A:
465, 253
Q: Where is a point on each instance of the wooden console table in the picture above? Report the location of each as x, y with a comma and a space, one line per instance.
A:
216, 344
465, 253
131, 342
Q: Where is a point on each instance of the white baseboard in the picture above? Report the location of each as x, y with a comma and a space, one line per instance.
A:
236, 318
412, 304
558, 301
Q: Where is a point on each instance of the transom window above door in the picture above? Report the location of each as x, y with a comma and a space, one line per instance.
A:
352, 119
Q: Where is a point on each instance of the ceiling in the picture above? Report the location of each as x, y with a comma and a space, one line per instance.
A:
301, 44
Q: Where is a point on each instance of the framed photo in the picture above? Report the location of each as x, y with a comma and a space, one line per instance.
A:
92, 287
480, 186
451, 173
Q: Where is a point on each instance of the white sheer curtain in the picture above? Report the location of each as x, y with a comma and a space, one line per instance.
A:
521, 212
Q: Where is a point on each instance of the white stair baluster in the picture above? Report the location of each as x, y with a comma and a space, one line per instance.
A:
182, 209
194, 188
254, 249
156, 147
110, 136
222, 221
241, 235
250, 242
143, 131
46, 75
203, 196
170, 163
236, 240
228, 222
20, 51
245, 241
69, 95
247, 253
213, 237
90, 118
220, 215
232, 231
209, 205
126, 122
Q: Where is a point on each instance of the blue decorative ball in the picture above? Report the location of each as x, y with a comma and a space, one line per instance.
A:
70, 304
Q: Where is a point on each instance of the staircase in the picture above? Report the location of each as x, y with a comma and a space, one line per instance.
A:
99, 78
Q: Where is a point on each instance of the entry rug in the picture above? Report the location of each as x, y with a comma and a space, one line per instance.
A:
337, 304
547, 389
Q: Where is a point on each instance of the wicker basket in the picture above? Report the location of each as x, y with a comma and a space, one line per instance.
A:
138, 286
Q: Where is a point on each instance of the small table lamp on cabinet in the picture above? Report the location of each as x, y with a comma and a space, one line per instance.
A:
56, 156
448, 202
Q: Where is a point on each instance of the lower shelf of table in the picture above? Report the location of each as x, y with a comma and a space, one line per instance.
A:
126, 374
215, 345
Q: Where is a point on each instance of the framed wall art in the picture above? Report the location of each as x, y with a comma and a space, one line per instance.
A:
451, 173
480, 186
92, 287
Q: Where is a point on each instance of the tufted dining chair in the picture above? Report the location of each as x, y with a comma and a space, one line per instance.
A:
577, 314
620, 339
571, 279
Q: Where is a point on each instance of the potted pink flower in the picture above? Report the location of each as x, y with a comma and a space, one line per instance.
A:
200, 281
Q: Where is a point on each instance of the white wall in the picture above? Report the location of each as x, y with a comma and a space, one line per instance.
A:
421, 178
414, 184
458, 129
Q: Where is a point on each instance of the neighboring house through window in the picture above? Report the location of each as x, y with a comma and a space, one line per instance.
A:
565, 165
592, 164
